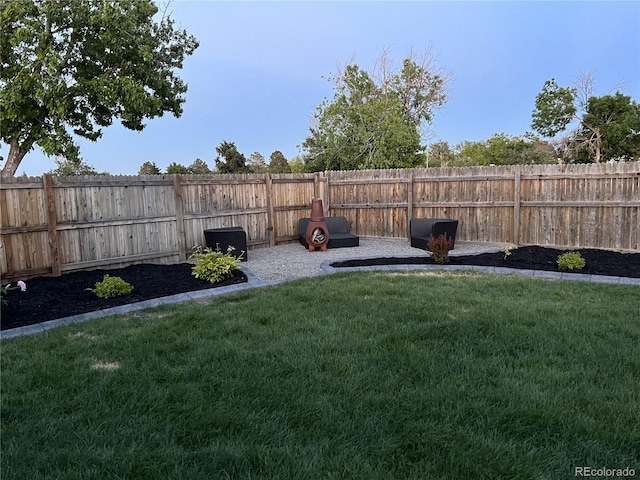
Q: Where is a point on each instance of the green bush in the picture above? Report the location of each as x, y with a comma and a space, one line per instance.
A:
439, 248
112, 287
571, 261
212, 265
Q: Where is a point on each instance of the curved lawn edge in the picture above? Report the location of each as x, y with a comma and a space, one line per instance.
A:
253, 281
328, 268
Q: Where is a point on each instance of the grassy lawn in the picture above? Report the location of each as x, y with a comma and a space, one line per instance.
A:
355, 376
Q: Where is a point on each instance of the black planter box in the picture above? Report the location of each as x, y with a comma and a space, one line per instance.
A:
223, 238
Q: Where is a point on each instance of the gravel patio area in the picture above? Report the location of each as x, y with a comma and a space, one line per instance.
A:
292, 260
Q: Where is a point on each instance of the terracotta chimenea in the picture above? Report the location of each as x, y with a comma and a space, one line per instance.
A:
317, 234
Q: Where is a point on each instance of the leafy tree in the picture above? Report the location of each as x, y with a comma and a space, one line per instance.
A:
66, 167
199, 167
554, 109
617, 118
376, 120
177, 168
296, 164
72, 67
471, 153
440, 155
234, 161
278, 163
607, 125
149, 168
502, 149
257, 163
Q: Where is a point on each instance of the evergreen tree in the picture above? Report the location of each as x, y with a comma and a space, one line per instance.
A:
149, 168
177, 168
278, 163
234, 161
199, 167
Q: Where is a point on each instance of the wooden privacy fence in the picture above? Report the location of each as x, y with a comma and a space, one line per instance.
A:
52, 225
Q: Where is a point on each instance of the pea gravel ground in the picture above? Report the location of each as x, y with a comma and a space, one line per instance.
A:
291, 261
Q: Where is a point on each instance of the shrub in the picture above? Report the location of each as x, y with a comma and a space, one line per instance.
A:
571, 261
213, 265
508, 250
112, 287
439, 248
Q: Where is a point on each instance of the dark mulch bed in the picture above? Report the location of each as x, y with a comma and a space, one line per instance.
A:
599, 262
50, 298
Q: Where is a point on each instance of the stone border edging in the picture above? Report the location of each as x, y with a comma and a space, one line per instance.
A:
254, 282
583, 277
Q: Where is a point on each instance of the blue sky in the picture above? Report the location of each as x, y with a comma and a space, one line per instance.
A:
257, 76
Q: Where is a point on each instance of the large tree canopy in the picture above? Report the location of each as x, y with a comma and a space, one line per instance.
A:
376, 120
617, 117
71, 67
608, 127
554, 109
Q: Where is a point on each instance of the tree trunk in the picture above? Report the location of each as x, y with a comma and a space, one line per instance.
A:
16, 154
598, 145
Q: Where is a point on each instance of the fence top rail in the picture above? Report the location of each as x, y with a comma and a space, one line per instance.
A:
590, 176
220, 181
465, 178
368, 181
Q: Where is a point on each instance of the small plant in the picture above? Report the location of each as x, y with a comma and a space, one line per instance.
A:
509, 249
213, 265
112, 287
571, 261
439, 248
5, 289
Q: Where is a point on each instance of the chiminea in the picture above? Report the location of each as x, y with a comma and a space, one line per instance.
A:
317, 234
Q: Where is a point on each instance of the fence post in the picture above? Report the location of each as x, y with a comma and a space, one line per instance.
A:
270, 211
180, 232
325, 192
52, 225
516, 206
409, 202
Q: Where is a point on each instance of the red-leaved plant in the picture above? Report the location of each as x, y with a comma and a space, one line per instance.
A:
439, 248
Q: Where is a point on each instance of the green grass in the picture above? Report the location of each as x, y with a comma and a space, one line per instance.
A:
354, 375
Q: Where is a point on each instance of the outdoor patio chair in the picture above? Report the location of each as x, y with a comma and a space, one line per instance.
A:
338, 235
422, 228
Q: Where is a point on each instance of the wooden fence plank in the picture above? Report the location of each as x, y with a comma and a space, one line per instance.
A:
52, 226
180, 230
516, 207
271, 231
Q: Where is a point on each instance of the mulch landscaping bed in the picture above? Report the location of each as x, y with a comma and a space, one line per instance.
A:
50, 298
598, 262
